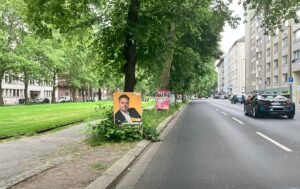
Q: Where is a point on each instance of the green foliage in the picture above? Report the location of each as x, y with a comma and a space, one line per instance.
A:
111, 132
273, 13
108, 131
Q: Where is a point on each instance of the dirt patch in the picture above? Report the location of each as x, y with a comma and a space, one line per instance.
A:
81, 167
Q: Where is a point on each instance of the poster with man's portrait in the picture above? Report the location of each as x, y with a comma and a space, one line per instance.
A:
127, 108
162, 100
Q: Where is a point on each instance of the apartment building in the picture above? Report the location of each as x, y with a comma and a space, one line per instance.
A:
268, 58
255, 54
220, 70
231, 69
13, 89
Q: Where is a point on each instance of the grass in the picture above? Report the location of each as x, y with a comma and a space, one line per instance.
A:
27, 120
152, 118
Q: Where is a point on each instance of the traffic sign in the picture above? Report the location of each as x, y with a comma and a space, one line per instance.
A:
291, 80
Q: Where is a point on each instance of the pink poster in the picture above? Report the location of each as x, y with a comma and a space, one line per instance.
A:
162, 100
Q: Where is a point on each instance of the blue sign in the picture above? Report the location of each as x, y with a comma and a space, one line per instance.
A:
291, 79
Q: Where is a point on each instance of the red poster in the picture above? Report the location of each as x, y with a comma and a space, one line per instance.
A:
162, 100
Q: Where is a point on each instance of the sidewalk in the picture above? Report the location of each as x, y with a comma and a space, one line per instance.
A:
28, 156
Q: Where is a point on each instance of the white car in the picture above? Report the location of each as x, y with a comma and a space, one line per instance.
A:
63, 99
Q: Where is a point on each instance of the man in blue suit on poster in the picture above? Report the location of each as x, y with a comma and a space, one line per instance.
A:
126, 114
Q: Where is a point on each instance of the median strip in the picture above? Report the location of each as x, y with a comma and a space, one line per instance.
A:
274, 142
235, 119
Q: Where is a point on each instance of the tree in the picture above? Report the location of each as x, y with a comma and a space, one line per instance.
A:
273, 13
28, 62
54, 61
10, 34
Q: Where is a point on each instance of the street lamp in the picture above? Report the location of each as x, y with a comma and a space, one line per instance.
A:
290, 62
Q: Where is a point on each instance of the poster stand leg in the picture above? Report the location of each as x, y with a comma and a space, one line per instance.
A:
142, 129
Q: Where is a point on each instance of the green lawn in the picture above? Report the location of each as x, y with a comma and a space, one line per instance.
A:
19, 120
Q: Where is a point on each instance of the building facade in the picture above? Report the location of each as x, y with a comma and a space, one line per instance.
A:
270, 58
231, 69
220, 70
13, 90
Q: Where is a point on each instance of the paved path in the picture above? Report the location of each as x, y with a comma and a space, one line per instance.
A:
30, 155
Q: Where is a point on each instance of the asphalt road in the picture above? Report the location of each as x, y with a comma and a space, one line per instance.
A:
214, 145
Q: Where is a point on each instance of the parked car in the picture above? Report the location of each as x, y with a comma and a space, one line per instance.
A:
63, 99
90, 99
260, 105
216, 96
40, 101
237, 99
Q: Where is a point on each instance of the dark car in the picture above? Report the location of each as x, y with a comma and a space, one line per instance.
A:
40, 101
237, 99
260, 105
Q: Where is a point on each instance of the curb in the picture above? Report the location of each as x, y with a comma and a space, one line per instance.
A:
111, 176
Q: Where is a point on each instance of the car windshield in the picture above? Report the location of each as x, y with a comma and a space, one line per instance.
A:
268, 97
271, 97
281, 97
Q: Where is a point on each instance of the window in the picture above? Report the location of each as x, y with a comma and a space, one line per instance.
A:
6, 79
275, 47
18, 92
276, 79
268, 66
285, 60
284, 77
297, 35
284, 43
268, 81
276, 63
14, 92
296, 54
268, 52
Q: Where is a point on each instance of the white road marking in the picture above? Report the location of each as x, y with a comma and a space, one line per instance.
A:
274, 142
224, 113
237, 120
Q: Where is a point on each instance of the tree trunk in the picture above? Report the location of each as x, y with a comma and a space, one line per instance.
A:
130, 52
164, 84
99, 94
53, 98
83, 95
91, 95
26, 88
1, 90
74, 94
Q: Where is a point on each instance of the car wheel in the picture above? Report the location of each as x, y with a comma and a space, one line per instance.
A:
291, 115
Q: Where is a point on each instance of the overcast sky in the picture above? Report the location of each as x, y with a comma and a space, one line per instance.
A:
229, 36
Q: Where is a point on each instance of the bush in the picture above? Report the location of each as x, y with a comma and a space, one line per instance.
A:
112, 132
108, 131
